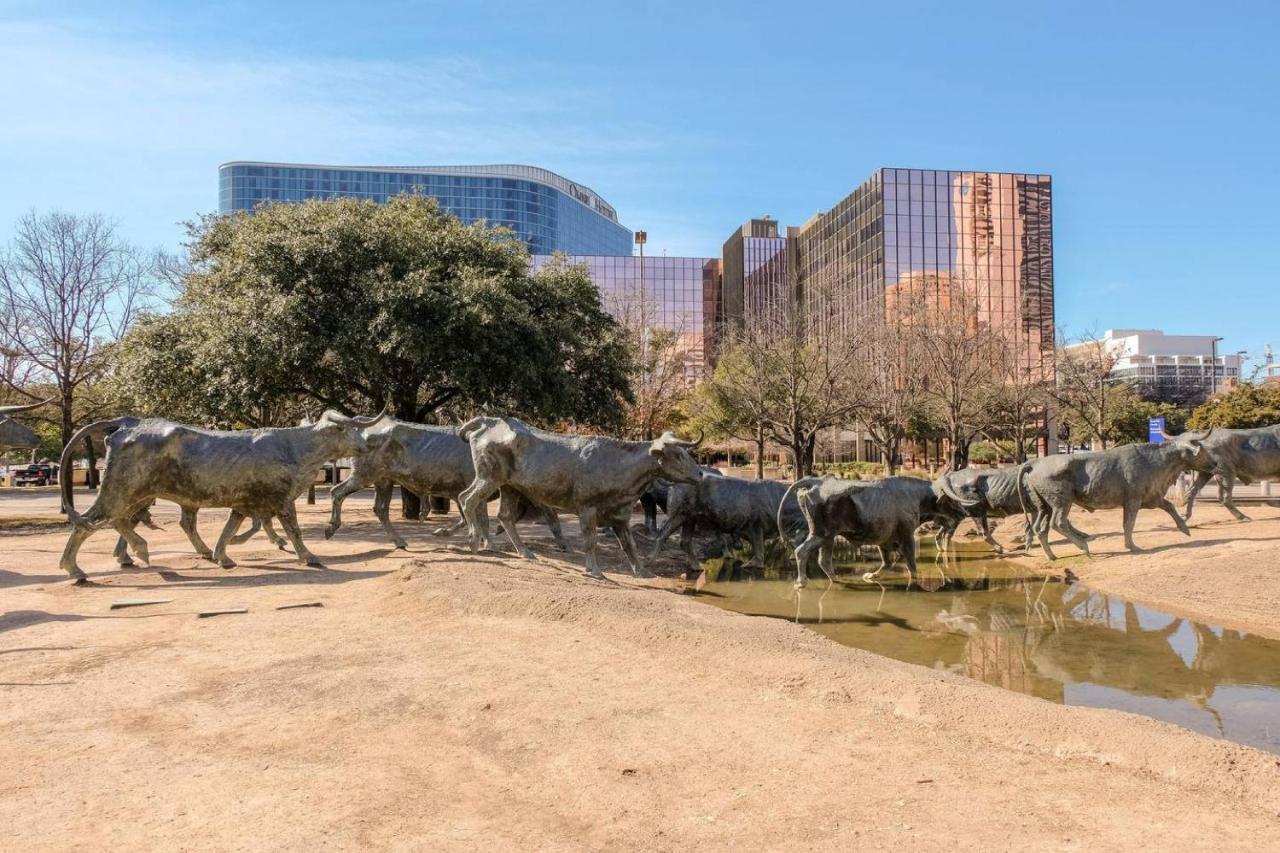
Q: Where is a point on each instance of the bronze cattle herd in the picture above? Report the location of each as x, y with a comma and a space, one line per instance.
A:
259, 474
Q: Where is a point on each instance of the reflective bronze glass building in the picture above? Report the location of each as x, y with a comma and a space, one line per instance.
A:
937, 235
681, 294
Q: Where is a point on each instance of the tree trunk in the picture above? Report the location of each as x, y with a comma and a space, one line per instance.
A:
797, 458
91, 475
760, 451
959, 453
406, 408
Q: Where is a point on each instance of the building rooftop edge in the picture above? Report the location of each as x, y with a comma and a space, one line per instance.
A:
492, 170
973, 171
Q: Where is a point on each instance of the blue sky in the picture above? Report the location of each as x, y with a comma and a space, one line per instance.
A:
1158, 121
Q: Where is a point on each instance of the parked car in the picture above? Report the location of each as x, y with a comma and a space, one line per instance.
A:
35, 475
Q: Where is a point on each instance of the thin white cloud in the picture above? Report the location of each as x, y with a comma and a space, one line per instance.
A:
65, 88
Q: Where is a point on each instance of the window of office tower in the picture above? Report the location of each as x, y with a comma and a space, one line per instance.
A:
984, 236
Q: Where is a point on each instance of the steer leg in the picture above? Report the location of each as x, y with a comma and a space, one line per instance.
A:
121, 553
1202, 480
1130, 519
1226, 486
1173, 513
228, 530
473, 500
907, 545
826, 559
79, 533
756, 534
354, 483
622, 532
804, 551
587, 522
1058, 521
188, 524
552, 519
289, 521
382, 509
273, 537
885, 563
674, 519
984, 524
136, 542
508, 513
255, 525
1040, 526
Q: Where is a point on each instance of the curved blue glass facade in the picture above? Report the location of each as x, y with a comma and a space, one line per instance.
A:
547, 211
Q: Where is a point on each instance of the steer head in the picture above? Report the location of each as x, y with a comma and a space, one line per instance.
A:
344, 436
1192, 452
14, 434
674, 460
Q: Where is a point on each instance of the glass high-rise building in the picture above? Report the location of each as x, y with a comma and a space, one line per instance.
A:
549, 212
679, 294
933, 235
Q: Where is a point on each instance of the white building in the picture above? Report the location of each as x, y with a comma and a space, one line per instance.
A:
1172, 368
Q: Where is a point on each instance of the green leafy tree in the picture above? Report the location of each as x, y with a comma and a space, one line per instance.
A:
735, 400
1131, 419
1242, 407
355, 305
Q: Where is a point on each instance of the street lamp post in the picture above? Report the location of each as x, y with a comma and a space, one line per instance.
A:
1213, 367
642, 237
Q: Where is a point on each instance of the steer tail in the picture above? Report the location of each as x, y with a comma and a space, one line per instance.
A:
470, 428
98, 429
1020, 483
804, 481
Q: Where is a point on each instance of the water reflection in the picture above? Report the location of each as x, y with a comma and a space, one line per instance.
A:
1057, 641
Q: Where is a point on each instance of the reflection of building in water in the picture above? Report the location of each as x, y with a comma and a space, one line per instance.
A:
1000, 659
673, 293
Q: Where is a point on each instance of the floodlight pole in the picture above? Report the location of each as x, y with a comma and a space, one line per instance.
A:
642, 237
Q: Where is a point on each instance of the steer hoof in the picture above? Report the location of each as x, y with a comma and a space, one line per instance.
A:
644, 573
126, 563
315, 563
440, 531
529, 555
227, 563
401, 545
329, 531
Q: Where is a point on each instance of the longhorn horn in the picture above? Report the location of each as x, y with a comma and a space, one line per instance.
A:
693, 445
26, 407
378, 418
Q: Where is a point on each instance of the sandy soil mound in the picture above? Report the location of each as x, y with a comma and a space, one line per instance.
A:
442, 701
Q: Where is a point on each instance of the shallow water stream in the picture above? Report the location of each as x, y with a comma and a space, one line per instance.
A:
1058, 641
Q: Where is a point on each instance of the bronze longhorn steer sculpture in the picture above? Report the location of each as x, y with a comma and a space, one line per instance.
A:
597, 478
257, 473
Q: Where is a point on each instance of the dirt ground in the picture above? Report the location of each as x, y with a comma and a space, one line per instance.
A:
439, 700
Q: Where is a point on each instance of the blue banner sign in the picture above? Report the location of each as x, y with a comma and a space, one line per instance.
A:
1155, 430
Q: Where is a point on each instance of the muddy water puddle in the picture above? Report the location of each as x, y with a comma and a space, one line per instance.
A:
1055, 640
